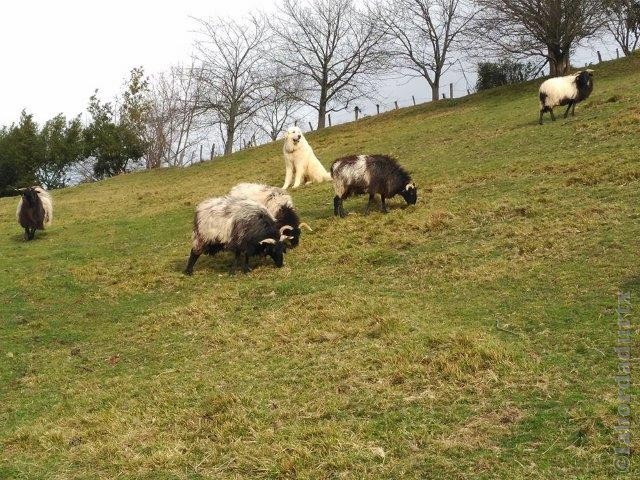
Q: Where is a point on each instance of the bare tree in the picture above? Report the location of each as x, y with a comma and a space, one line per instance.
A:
551, 29
172, 123
273, 118
233, 59
332, 46
423, 34
623, 23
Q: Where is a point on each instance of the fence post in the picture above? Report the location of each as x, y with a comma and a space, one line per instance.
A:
201, 153
451, 90
396, 102
468, 92
617, 53
414, 100
295, 123
329, 119
213, 151
599, 57
310, 127
444, 95
378, 108
356, 110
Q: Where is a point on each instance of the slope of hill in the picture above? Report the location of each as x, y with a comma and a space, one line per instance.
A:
469, 336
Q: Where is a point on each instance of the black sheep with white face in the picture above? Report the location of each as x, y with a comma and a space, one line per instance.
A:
373, 175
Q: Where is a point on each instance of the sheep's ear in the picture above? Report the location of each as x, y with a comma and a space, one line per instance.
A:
304, 225
268, 241
589, 70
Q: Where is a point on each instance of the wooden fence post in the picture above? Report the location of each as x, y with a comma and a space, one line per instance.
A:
617, 53
329, 119
356, 110
451, 90
378, 108
414, 100
310, 127
444, 95
396, 102
599, 57
213, 150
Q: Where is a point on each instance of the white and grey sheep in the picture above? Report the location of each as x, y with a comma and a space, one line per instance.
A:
241, 226
372, 174
277, 202
35, 210
567, 90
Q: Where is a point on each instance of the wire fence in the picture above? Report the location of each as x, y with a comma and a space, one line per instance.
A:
370, 108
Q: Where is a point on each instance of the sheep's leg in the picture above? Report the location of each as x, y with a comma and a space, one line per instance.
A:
246, 268
383, 206
541, 114
573, 109
235, 264
27, 233
338, 209
192, 261
553, 117
372, 200
566, 113
32, 233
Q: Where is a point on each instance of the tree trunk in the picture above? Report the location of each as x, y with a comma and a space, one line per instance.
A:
435, 90
322, 107
228, 143
558, 62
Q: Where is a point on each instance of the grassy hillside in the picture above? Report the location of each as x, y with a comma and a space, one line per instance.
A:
469, 336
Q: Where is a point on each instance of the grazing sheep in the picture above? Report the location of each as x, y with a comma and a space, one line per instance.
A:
35, 210
567, 90
300, 160
372, 174
241, 226
277, 202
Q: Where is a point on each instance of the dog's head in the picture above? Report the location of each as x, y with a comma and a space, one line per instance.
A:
294, 135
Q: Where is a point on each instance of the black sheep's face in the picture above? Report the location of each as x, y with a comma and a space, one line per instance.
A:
295, 240
275, 250
30, 196
410, 194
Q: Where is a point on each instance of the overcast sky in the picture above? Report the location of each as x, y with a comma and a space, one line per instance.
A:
56, 52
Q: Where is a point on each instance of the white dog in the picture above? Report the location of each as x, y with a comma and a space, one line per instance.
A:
299, 160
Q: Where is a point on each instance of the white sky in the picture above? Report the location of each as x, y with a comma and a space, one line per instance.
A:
56, 52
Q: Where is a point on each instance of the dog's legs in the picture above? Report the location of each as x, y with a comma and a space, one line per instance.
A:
299, 177
288, 176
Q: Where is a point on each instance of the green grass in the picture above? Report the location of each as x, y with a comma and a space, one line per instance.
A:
470, 336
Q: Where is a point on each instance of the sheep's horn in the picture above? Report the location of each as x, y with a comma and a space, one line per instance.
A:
284, 238
306, 226
410, 186
269, 241
286, 227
